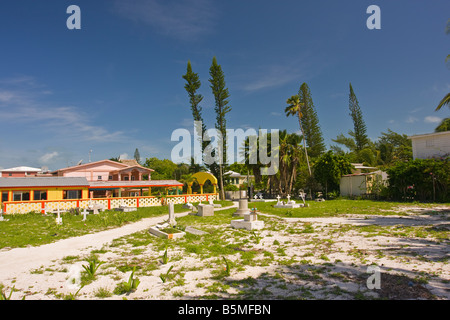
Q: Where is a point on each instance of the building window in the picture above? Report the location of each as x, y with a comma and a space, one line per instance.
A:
21, 196
72, 194
99, 178
4, 196
429, 143
40, 195
10, 174
110, 177
125, 178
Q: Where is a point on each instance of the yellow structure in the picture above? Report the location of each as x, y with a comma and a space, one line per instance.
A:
201, 178
42, 189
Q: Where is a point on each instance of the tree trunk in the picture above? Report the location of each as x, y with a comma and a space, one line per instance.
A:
222, 191
304, 142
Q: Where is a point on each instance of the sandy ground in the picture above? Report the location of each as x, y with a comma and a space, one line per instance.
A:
329, 260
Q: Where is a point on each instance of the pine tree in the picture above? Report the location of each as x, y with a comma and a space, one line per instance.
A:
192, 85
137, 156
221, 108
310, 123
295, 108
359, 127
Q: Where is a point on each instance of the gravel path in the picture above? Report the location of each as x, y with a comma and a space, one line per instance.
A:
18, 260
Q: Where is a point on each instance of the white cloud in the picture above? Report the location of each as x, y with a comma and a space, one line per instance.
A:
182, 19
68, 121
123, 156
432, 119
274, 76
411, 119
6, 96
46, 158
276, 114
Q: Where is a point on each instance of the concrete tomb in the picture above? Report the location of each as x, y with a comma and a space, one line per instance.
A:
243, 208
290, 204
250, 222
205, 210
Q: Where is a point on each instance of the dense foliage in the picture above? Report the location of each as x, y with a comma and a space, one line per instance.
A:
420, 179
329, 169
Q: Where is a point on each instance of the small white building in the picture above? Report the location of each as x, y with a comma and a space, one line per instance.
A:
357, 184
431, 145
236, 178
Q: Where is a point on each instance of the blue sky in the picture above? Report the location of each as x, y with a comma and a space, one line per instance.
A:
115, 85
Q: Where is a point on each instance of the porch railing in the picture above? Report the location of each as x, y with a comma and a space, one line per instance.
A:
11, 207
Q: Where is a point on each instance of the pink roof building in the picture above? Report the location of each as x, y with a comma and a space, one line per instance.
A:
106, 170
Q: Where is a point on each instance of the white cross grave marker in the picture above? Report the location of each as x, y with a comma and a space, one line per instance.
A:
1, 216
84, 213
58, 219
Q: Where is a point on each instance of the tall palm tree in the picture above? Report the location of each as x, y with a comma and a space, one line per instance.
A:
295, 108
444, 102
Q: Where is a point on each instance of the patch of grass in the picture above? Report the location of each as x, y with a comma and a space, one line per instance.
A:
102, 293
36, 229
336, 207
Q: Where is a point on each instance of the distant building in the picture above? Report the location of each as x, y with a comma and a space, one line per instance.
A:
20, 172
360, 183
431, 145
106, 170
236, 178
357, 184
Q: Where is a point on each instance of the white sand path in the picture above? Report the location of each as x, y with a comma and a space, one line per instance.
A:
18, 260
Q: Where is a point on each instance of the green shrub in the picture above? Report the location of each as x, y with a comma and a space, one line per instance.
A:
420, 179
231, 187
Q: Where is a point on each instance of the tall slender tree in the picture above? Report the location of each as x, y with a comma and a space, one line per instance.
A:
294, 108
446, 100
137, 156
192, 85
359, 127
310, 122
221, 96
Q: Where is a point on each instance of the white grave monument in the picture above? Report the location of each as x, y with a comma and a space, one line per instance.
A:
303, 196
84, 213
290, 204
58, 218
205, 210
243, 208
171, 220
258, 198
250, 222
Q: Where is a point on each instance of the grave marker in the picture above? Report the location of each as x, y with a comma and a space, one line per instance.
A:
84, 213
172, 221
